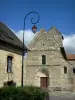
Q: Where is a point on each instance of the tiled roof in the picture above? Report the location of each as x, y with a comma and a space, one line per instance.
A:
70, 56
6, 35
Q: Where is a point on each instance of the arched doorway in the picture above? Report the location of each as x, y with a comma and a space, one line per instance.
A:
43, 75
43, 82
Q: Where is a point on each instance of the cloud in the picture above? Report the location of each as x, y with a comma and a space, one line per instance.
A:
28, 36
69, 43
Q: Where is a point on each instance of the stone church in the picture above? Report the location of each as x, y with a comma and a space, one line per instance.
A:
47, 65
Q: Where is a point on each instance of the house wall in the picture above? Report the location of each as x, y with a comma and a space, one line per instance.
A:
16, 67
71, 73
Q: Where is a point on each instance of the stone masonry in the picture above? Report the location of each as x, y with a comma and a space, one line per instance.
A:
48, 44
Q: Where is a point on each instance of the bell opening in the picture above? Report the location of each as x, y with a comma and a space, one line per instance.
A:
74, 70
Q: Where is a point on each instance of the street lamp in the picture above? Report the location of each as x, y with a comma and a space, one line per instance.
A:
34, 29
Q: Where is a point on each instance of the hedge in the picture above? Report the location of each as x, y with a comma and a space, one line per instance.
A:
22, 93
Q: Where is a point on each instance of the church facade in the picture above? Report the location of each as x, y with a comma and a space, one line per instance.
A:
47, 64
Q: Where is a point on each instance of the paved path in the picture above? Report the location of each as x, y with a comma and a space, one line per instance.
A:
62, 96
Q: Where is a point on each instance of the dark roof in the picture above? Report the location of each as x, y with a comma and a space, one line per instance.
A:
6, 35
69, 57
63, 52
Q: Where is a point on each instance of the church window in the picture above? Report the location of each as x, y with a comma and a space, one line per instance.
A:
65, 69
43, 59
9, 64
62, 38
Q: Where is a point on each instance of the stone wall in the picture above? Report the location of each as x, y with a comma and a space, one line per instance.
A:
16, 67
45, 44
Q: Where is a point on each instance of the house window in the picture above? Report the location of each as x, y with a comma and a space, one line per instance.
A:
43, 59
9, 64
65, 69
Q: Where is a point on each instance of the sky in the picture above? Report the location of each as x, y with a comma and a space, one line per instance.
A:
58, 13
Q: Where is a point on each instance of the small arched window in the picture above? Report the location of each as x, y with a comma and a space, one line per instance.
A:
43, 59
65, 69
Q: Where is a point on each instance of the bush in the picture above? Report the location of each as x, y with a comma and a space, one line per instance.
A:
25, 93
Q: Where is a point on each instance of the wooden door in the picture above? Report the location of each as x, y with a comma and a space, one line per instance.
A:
43, 82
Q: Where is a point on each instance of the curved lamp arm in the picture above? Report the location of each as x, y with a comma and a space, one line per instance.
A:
23, 39
32, 18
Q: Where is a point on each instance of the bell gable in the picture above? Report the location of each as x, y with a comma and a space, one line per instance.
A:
45, 41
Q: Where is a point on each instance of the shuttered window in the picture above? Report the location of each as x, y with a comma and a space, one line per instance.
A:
9, 64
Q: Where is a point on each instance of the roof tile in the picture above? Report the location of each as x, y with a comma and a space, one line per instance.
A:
70, 56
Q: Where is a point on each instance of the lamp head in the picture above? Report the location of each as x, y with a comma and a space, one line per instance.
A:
34, 29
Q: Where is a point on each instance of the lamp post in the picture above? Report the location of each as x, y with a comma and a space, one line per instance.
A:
34, 28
